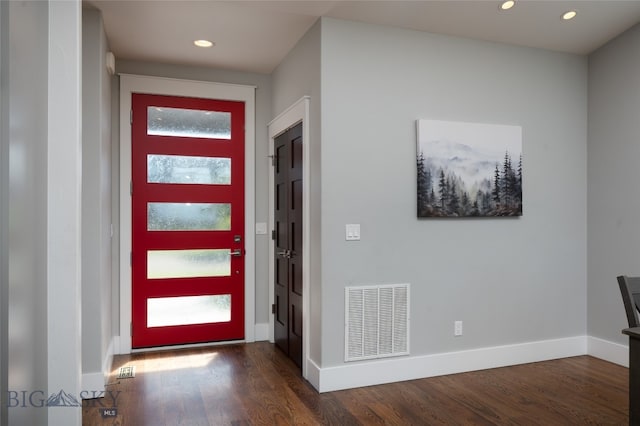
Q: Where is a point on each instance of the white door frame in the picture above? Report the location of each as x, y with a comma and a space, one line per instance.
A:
130, 84
296, 113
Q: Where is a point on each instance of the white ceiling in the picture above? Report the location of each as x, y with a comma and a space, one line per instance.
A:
256, 35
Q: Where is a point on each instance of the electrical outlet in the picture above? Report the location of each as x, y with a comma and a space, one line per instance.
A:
457, 328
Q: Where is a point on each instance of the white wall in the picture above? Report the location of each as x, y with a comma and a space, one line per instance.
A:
63, 192
4, 211
96, 204
511, 280
614, 201
40, 193
24, 140
298, 75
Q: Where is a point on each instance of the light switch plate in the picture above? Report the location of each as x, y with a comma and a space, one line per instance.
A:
261, 228
352, 232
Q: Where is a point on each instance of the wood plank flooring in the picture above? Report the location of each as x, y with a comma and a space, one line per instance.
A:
255, 384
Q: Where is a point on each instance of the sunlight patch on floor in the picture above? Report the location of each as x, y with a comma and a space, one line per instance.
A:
169, 363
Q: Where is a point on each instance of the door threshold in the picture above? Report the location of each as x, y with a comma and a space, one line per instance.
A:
187, 346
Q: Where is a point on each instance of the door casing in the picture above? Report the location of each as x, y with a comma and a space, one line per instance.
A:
296, 113
188, 88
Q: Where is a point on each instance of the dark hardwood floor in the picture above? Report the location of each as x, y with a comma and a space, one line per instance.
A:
255, 384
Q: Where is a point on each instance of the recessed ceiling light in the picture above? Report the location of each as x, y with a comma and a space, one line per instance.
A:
569, 15
203, 43
507, 5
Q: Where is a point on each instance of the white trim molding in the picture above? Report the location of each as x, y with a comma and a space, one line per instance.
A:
202, 89
608, 351
94, 382
108, 360
262, 332
296, 113
389, 370
92, 385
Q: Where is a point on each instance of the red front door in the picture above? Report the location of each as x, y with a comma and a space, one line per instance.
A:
188, 220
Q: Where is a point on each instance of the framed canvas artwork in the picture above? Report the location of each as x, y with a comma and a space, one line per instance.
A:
469, 169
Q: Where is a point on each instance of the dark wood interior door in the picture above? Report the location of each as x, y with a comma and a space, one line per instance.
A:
288, 242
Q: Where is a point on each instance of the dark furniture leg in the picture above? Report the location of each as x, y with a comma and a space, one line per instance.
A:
634, 375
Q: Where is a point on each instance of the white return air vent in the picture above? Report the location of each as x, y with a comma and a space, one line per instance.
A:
377, 321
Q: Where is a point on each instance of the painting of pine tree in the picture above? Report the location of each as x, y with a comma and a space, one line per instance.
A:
468, 169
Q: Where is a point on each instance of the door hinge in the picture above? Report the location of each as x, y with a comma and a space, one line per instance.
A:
130, 258
273, 308
273, 160
131, 329
131, 188
273, 234
131, 116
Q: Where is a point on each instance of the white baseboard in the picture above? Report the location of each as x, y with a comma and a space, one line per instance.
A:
313, 374
93, 382
352, 375
92, 385
117, 349
262, 331
107, 362
389, 370
608, 351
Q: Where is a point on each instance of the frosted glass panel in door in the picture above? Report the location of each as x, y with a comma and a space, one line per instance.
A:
188, 217
188, 263
188, 123
188, 169
184, 310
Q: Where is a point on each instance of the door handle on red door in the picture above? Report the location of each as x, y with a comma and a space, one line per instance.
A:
236, 252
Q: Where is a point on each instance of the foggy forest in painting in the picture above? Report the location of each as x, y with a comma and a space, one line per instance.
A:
468, 169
